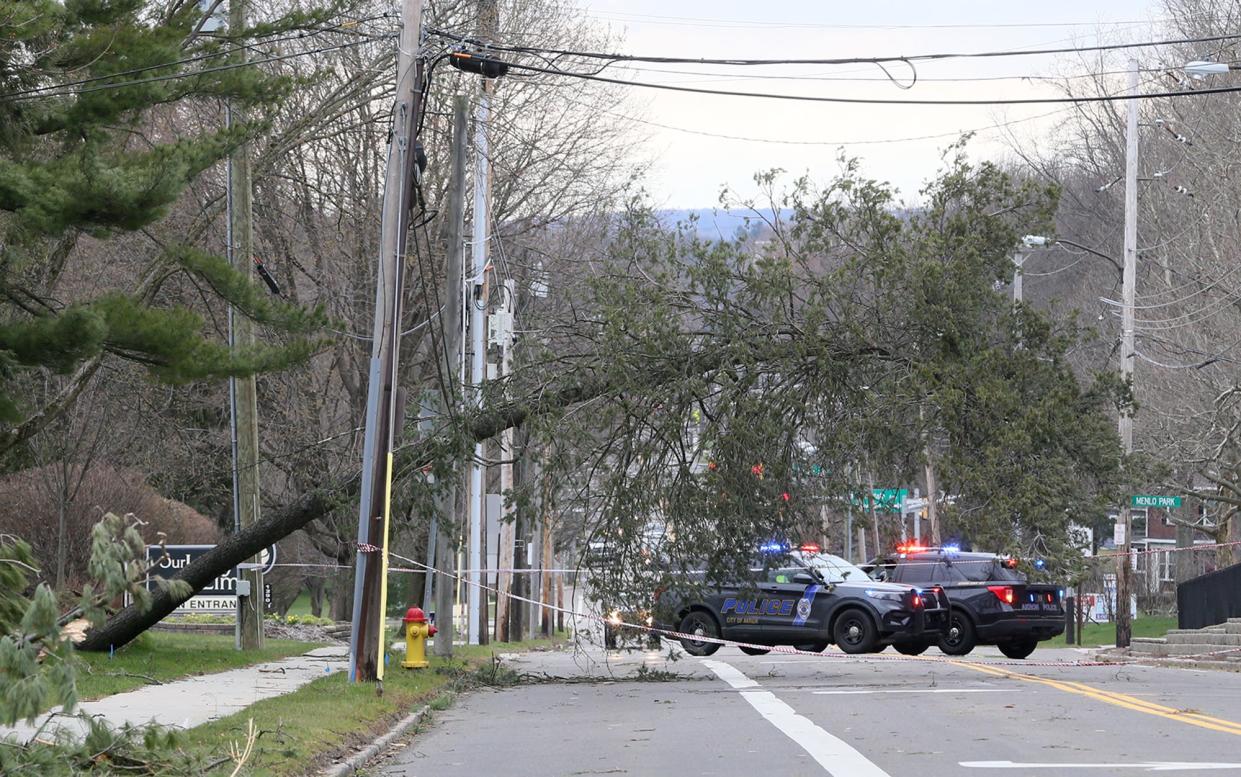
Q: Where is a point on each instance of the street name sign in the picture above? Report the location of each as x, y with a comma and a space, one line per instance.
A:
1150, 500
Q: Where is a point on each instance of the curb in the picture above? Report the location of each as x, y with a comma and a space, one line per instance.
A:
364, 756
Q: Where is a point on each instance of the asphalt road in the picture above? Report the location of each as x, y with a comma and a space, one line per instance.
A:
734, 714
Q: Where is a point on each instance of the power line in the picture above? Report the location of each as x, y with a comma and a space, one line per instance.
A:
782, 141
614, 57
874, 101
60, 91
199, 57
881, 79
718, 22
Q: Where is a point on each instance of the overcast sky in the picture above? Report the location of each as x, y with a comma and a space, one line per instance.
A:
689, 168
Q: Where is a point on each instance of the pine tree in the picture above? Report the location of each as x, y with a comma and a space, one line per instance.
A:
80, 81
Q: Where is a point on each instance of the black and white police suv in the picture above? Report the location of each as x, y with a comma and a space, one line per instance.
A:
992, 601
804, 598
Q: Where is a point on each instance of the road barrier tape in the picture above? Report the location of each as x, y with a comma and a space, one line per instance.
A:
522, 571
1110, 555
781, 649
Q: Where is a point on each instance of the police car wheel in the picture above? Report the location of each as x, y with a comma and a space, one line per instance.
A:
959, 638
855, 632
1018, 649
703, 625
812, 647
749, 651
911, 648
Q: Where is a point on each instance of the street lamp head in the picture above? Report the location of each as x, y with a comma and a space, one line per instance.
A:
1034, 241
1200, 69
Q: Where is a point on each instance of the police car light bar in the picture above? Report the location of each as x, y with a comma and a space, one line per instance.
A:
773, 547
810, 547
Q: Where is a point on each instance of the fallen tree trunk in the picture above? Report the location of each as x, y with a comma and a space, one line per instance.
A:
279, 523
127, 624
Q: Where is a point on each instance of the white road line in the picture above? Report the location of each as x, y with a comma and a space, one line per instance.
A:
730, 674
912, 690
1146, 766
835, 756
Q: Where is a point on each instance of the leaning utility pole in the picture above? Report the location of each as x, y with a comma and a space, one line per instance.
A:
446, 542
1127, 354
243, 392
370, 589
487, 24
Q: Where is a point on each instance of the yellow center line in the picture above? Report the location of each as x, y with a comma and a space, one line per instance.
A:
1116, 699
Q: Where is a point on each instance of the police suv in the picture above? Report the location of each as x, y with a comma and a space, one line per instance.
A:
992, 602
804, 598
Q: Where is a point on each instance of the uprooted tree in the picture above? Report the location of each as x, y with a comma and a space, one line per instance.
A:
731, 389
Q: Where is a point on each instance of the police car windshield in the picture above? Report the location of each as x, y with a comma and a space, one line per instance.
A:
833, 569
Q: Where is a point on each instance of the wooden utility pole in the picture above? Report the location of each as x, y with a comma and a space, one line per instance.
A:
243, 392
932, 498
446, 542
547, 556
366, 642
502, 325
1124, 569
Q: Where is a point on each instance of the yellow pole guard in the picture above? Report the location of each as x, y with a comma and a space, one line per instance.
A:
383, 573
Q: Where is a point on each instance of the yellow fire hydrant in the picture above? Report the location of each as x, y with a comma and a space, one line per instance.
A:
416, 632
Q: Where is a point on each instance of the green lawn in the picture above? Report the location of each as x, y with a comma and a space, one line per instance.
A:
1095, 634
301, 730
301, 605
165, 656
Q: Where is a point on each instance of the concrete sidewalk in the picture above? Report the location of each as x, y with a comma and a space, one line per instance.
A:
197, 700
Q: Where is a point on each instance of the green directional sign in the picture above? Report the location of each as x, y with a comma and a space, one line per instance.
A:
886, 500
1148, 500
889, 499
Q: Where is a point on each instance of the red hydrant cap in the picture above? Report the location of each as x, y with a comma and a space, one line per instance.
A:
432, 631
414, 616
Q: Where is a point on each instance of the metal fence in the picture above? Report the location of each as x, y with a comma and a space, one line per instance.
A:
1209, 599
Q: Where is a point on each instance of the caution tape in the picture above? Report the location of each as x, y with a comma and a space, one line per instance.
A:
780, 649
1103, 554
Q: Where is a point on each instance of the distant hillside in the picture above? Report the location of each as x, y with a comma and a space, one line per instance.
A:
726, 224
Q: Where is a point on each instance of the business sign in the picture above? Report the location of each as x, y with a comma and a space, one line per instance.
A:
220, 595
1150, 500
267, 560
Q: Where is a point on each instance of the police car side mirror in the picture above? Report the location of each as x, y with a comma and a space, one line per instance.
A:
803, 578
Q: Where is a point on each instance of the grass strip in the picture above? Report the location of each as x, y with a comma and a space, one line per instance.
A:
1095, 634
302, 731
160, 657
